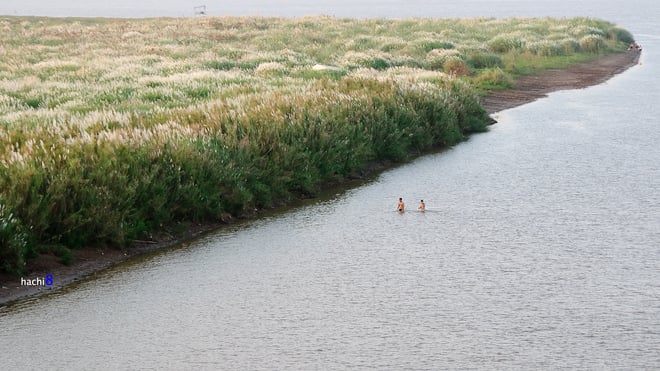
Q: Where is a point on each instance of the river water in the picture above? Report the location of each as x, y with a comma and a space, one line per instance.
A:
540, 249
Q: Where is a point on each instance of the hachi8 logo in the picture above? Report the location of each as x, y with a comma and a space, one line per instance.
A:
47, 280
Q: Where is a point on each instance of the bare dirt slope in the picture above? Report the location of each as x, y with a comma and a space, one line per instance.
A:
530, 88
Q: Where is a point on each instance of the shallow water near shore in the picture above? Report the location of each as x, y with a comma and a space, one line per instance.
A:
540, 249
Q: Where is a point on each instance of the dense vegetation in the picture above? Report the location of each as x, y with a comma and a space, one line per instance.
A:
110, 129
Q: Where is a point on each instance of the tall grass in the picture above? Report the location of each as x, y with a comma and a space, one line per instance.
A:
111, 129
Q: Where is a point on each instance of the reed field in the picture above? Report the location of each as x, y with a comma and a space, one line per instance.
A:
111, 129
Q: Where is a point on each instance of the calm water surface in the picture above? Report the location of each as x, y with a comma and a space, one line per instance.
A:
539, 250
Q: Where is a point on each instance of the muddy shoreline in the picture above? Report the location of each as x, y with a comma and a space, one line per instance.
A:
92, 260
530, 88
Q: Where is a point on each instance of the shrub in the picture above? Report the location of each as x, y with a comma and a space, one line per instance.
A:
34, 102
592, 43
494, 78
221, 65
272, 69
15, 248
116, 95
619, 34
362, 44
198, 93
378, 64
547, 48
456, 66
483, 60
429, 45
155, 96
504, 43
570, 46
377, 61
587, 30
392, 46
436, 58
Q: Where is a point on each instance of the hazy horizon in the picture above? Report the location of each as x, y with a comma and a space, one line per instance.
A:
296, 8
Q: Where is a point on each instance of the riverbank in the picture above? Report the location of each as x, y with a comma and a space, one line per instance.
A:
530, 88
89, 261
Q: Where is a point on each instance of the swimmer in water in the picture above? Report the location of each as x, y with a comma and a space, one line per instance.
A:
422, 205
401, 205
